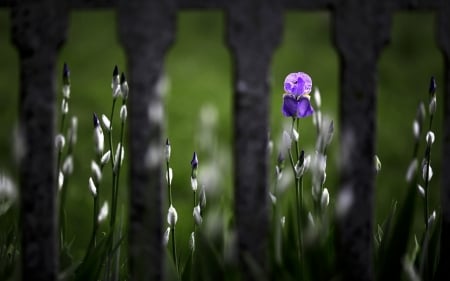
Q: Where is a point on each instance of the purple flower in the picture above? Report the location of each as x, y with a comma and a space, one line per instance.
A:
296, 106
298, 84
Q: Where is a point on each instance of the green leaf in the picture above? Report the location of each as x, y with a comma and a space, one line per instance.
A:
91, 266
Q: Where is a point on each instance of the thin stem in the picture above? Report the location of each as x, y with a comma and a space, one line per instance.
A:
297, 183
276, 223
110, 134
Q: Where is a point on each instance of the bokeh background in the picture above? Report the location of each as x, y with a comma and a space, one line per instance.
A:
198, 83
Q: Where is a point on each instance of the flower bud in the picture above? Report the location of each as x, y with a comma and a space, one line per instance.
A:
166, 236
194, 161
416, 129
72, 133
64, 107
96, 171
424, 172
60, 142
377, 163
433, 86
432, 218
120, 155
421, 190
192, 241
124, 87
105, 158
172, 216
67, 167
411, 170
325, 198
202, 197
168, 150
317, 98
115, 84
430, 138
295, 135
99, 140
169, 176
197, 215
194, 184
66, 76
123, 113
106, 123
104, 210
92, 187
432, 105
60, 180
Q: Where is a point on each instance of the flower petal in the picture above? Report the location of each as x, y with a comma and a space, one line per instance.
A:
304, 108
289, 108
298, 83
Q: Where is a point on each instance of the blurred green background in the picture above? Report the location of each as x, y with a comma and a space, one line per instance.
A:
198, 72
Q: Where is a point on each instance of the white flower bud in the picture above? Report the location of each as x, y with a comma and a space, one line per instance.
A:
72, 134
317, 98
67, 167
311, 219
203, 197
424, 172
325, 198
105, 158
421, 190
169, 176
96, 171
432, 105
120, 155
172, 216
192, 241
92, 187
60, 142
295, 135
194, 184
317, 118
123, 113
168, 150
99, 140
64, 107
411, 170
377, 163
60, 180
273, 199
416, 129
104, 210
430, 138
197, 215
166, 236
283, 221
66, 91
106, 123
432, 218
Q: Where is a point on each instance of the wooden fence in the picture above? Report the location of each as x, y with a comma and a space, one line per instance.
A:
361, 29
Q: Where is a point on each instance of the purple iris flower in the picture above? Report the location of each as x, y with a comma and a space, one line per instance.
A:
298, 83
296, 106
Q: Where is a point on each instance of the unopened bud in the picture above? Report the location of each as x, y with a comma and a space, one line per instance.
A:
317, 98
197, 215
60, 142
166, 236
99, 140
432, 218
106, 123
67, 167
192, 241
377, 163
194, 184
432, 106
416, 129
124, 87
427, 172
96, 171
172, 216
92, 187
60, 180
104, 210
169, 176
325, 198
105, 158
430, 138
411, 170
202, 198
295, 135
433, 86
168, 150
421, 190
123, 113
64, 107
120, 155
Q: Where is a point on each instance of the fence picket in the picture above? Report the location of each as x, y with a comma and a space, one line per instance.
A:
38, 30
146, 30
361, 30
252, 40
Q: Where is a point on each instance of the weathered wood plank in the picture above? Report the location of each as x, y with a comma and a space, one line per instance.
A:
253, 32
146, 30
38, 30
443, 25
360, 31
